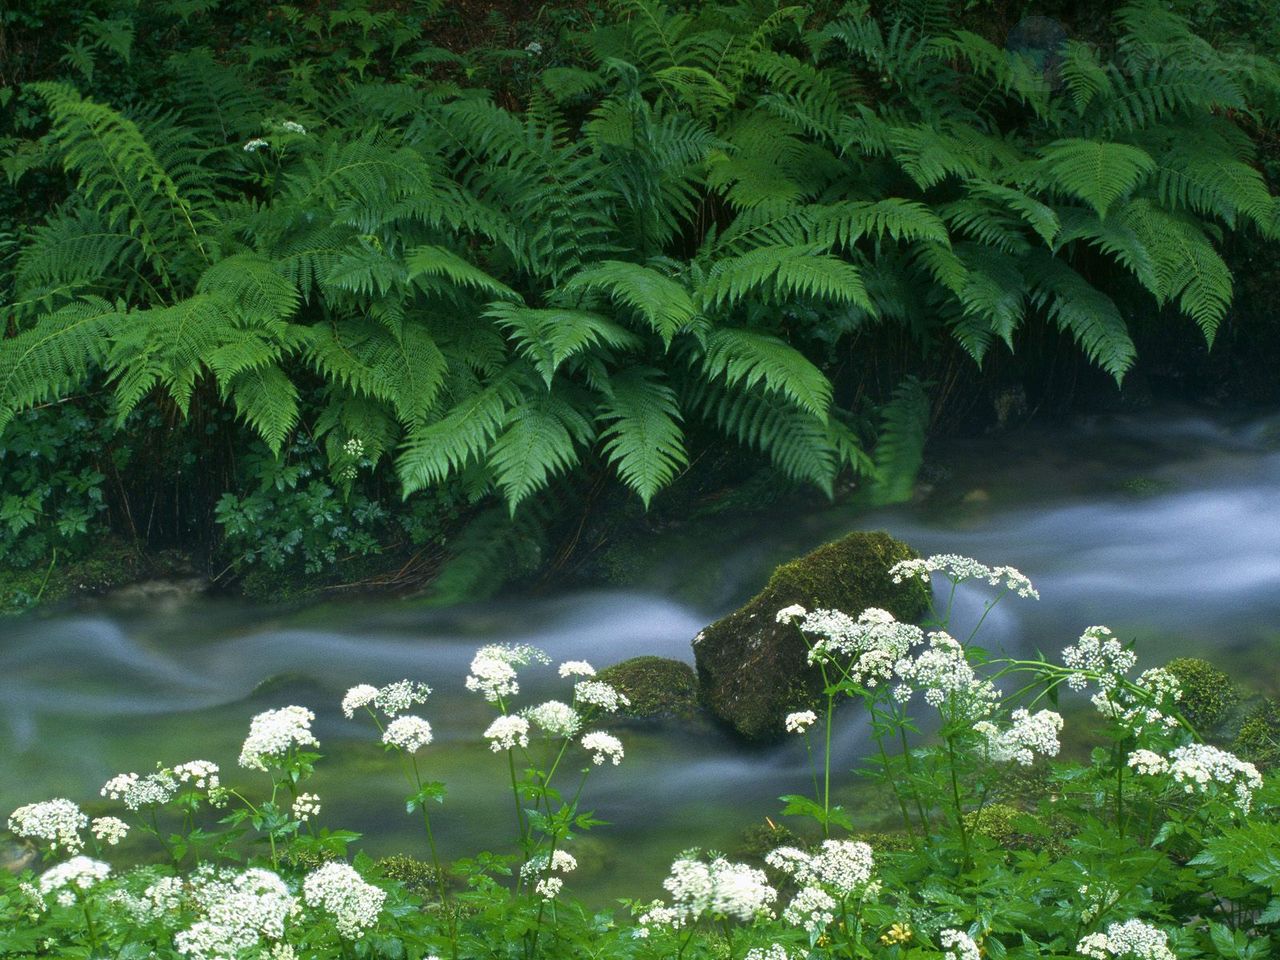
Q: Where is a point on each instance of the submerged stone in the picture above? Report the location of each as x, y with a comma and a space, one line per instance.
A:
752, 671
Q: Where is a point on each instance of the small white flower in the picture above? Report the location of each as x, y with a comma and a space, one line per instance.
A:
137, 792
548, 888
256, 144
602, 746
203, 774
1028, 735
292, 126
533, 47
555, 718
597, 693
395, 698
274, 733
493, 669
788, 614
306, 806
338, 890
408, 733
358, 696
109, 830
801, 721
57, 822
959, 945
78, 873
508, 732
1131, 940
577, 668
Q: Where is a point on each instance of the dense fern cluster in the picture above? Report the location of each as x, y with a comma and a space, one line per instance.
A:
667, 241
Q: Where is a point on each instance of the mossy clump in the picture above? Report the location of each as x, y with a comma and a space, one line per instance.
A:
659, 688
1258, 739
1208, 694
762, 838
753, 671
417, 876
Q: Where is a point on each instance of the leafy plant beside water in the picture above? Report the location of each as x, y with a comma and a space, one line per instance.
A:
1154, 846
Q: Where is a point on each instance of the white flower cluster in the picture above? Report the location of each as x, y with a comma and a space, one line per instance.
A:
236, 910
1027, 735
57, 822
407, 733
1098, 652
493, 669
78, 873
292, 126
872, 644
946, 675
597, 693
306, 806
256, 144
577, 668
109, 830
554, 718
202, 774
958, 569
548, 887
602, 746
507, 732
1132, 940
715, 889
1201, 768
159, 901
137, 792
842, 869
393, 699
958, 945
1149, 706
338, 890
274, 733
775, 951
800, 722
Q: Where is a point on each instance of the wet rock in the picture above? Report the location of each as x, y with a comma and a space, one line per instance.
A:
659, 688
752, 671
16, 857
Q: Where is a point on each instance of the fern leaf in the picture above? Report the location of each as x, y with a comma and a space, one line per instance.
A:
1097, 173
785, 271
643, 440
539, 442
550, 337
899, 450
744, 358
433, 451
662, 302
432, 261
267, 400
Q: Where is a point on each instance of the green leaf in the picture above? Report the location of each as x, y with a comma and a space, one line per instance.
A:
660, 301
643, 440
1097, 173
744, 358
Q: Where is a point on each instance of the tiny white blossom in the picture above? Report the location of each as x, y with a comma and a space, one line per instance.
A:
274, 733
1028, 735
361, 695
109, 830
958, 945
338, 890
493, 669
408, 733
78, 873
1131, 940
555, 718
256, 144
597, 693
791, 613
506, 733
602, 746
548, 888
57, 822
577, 668
306, 806
292, 126
801, 721
395, 698
202, 774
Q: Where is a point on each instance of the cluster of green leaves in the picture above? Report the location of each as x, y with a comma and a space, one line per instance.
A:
669, 245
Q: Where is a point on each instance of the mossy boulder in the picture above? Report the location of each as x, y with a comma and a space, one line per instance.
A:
753, 671
1208, 694
659, 688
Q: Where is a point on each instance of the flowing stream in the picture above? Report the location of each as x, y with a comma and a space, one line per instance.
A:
1166, 528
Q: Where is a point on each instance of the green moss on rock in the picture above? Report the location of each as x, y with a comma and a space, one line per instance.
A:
752, 670
1208, 694
1258, 740
659, 688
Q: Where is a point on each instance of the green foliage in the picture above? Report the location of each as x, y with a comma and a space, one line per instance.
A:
322, 229
1208, 694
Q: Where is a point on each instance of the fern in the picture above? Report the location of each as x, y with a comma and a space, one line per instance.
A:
744, 358
539, 441
663, 304
550, 337
899, 451
1097, 173
642, 438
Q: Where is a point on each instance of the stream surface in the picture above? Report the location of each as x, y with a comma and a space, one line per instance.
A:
1164, 527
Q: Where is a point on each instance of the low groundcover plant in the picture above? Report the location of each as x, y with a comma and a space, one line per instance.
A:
1007, 845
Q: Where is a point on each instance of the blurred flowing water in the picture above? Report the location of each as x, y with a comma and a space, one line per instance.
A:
1165, 528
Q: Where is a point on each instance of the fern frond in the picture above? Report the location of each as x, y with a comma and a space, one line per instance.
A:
1079, 308
899, 450
781, 272
643, 439
433, 261
664, 305
538, 443
267, 400
1097, 173
744, 358
550, 337
434, 451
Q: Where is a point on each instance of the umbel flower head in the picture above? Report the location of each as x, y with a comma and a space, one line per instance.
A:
57, 822
274, 733
408, 733
493, 669
338, 890
712, 889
